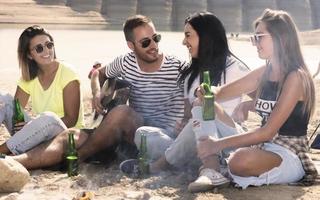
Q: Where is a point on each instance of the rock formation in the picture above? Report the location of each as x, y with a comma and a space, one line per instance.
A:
13, 175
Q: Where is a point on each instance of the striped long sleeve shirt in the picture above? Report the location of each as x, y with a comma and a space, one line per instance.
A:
154, 95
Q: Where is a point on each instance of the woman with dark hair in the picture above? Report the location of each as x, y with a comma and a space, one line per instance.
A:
52, 86
206, 40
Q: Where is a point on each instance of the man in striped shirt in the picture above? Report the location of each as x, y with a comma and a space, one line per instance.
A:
155, 100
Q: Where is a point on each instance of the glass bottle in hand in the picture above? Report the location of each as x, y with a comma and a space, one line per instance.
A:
208, 104
18, 115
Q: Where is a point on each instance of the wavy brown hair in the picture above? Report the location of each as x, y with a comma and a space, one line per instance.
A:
29, 67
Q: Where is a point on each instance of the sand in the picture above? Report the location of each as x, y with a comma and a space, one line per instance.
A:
106, 181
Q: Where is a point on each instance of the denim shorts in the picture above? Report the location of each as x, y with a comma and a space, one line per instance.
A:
289, 171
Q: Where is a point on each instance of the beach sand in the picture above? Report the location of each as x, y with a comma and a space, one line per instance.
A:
106, 181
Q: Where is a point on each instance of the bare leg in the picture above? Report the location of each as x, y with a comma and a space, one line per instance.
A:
159, 165
253, 162
211, 162
245, 161
4, 149
120, 123
49, 153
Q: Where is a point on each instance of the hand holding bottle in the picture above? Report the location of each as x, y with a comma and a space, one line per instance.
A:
208, 100
18, 116
200, 91
208, 146
18, 126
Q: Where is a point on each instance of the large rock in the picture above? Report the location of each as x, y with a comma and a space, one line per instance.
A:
13, 176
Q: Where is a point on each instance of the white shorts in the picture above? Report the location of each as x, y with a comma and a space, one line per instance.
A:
289, 171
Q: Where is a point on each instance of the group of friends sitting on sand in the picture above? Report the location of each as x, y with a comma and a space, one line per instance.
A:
165, 104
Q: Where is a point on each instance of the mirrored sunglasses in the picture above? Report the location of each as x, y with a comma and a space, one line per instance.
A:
39, 48
256, 38
146, 42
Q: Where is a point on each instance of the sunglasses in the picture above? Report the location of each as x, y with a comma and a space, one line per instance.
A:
147, 41
256, 38
40, 48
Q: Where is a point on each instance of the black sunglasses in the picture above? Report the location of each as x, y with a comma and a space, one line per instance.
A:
147, 41
39, 47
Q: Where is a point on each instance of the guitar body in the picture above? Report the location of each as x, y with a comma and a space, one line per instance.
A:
116, 92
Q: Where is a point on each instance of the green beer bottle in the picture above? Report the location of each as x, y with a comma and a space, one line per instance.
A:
208, 104
18, 115
143, 156
72, 156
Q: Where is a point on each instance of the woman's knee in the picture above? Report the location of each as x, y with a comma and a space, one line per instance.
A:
239, 161
50, 118
123, 112
123, 117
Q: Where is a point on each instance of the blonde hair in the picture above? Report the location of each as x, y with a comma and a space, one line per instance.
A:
287, 52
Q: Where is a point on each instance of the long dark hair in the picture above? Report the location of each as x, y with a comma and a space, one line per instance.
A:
213, 48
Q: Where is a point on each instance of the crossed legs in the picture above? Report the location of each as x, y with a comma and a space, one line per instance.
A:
184, 146
120, 123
